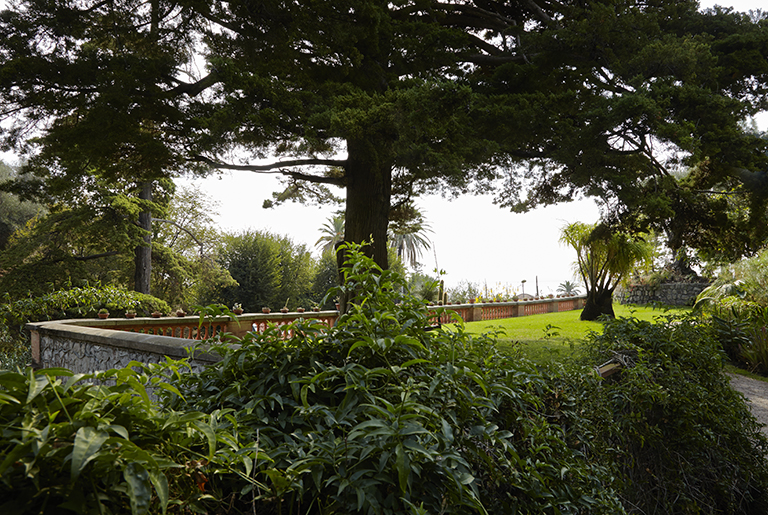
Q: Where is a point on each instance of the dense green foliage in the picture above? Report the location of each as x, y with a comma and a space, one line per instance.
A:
738, 304
87, 236
682, 440
68, 446
78, 303
14, 213
269, 270
380, 414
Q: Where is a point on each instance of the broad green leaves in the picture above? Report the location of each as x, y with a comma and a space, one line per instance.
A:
94, 448
380, 415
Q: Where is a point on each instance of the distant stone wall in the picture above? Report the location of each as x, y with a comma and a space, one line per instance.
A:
673, 294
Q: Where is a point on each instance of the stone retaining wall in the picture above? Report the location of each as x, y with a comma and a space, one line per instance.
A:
672, 294
85, 350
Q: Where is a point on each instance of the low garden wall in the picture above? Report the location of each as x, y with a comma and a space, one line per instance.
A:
673, 294
86, 346
82, 349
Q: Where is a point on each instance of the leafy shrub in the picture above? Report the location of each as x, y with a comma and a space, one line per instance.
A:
741, 325
76, 303
14, 351
62, 304
682, 439
380, 415
73, 447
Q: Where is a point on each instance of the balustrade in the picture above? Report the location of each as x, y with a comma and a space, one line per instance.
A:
190, 328
499, 310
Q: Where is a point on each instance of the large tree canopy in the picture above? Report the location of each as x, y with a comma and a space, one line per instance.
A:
392, 99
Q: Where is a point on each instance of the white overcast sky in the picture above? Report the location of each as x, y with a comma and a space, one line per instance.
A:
472, 238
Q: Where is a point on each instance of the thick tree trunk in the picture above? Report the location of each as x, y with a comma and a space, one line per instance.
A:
599, 303
143, 256
369, 189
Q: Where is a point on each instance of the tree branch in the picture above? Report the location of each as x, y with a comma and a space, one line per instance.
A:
87, 258
484, 45
337, 181
194, 88
538, 11
465, 13
493, 59
200, 243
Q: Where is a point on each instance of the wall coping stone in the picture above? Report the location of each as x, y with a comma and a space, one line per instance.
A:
150, 343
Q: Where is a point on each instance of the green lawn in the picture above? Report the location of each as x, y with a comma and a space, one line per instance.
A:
555, 335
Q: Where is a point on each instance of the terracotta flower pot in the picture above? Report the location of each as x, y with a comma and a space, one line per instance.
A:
300, 310
130, 315
265, 310
103, 315
283, 310
237, 311
156, 314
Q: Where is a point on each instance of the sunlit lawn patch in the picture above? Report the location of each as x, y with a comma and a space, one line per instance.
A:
555, 335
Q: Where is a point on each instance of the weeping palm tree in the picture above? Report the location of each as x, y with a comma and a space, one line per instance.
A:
603, 257
332, 233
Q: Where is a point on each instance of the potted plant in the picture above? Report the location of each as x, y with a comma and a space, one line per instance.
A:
181, 313
315, 307
130, 313
103, 313
265, 309
156, 314
237, 309
300, 310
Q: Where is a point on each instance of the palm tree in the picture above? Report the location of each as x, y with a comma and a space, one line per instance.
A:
333, 233
406, 234
567, 287
603, 257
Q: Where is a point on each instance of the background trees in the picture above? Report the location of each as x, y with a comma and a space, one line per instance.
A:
89, 233
270, 271
14, 213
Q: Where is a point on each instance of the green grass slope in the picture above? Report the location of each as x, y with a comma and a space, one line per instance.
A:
555, 336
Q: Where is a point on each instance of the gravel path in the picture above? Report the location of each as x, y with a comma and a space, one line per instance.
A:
757, 392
